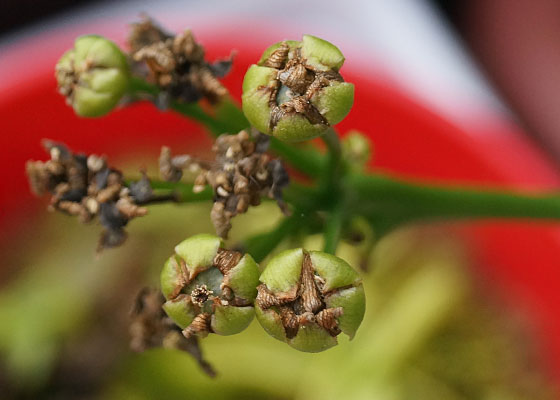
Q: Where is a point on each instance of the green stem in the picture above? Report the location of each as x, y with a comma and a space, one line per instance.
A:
406, 201
333, 171
183, 191
139, 86
333, 192
261, 245
299, 196
229, 121
306, 160
333, 228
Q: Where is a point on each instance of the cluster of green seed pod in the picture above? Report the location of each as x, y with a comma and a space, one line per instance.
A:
295, 92
305, 299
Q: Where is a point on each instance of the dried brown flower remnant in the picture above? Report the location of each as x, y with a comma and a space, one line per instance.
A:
200, 295
278, 57
171, 168
145, 32
85, 186
176, 64
226, 260
309, 299
151, 327
240, 175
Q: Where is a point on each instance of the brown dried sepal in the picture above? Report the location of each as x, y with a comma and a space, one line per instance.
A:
296, 77
308, 292
290, 321
278, 57
225, 260
297, 105
327, 320
183, 276
304, 305
267, 299
200, 326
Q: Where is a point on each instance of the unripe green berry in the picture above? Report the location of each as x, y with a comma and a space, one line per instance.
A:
307, 299
295, 91
208, 288
93, 75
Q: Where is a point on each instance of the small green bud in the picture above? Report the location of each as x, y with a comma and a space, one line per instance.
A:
356, 149
307, 299
295, 91
93, 76
208, 288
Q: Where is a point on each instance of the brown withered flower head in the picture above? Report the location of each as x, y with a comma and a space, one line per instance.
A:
240, 175
151, 327
144, 33
176, 64
85, 186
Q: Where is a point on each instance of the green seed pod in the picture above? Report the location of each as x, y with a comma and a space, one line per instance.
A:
93, 75
208, 288
307, 299
295, 91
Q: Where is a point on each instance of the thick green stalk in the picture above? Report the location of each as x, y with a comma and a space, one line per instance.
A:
394, 198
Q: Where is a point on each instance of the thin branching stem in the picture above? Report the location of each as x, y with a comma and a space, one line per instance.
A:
261, 245
301, 159
381, 198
